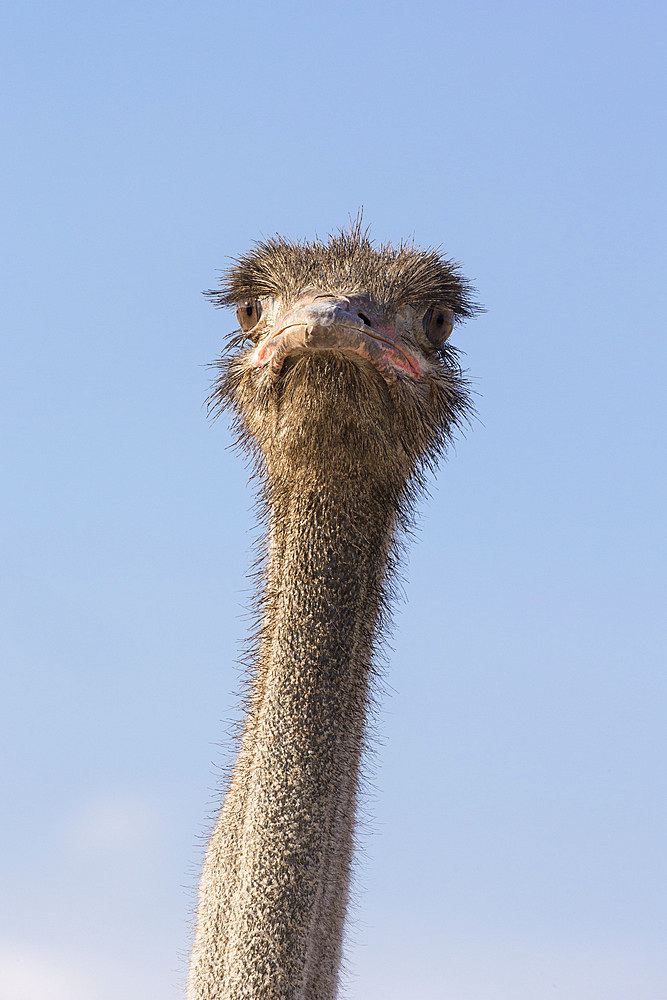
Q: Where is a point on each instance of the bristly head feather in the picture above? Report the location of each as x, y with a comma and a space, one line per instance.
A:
348, 261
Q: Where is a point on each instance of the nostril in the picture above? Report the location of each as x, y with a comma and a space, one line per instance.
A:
364, 319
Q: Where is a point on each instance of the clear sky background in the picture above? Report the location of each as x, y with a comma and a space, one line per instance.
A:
517, 845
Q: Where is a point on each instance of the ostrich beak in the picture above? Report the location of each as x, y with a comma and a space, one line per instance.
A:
327, 322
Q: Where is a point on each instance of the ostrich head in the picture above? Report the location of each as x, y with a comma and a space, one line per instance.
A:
344, 357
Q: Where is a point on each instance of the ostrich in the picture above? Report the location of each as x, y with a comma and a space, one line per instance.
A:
344, 392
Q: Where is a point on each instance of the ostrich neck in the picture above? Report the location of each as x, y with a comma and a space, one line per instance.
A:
275, 883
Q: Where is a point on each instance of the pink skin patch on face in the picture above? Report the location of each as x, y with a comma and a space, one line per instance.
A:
264, 351
400, 356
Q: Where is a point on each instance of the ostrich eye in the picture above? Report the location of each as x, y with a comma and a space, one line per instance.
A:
438, 324
248, 314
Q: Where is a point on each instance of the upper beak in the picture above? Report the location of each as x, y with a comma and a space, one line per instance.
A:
321, 316
335, 322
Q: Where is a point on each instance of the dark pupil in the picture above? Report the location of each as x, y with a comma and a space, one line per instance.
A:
440, 320
250, 308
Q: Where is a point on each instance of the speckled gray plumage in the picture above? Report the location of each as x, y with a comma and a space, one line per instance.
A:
340, 453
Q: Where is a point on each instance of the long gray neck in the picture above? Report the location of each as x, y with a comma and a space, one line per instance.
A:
274, 888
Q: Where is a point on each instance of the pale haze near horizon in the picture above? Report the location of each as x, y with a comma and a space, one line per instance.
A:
514, 830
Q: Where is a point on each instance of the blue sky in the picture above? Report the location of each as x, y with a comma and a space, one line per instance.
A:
516, 845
